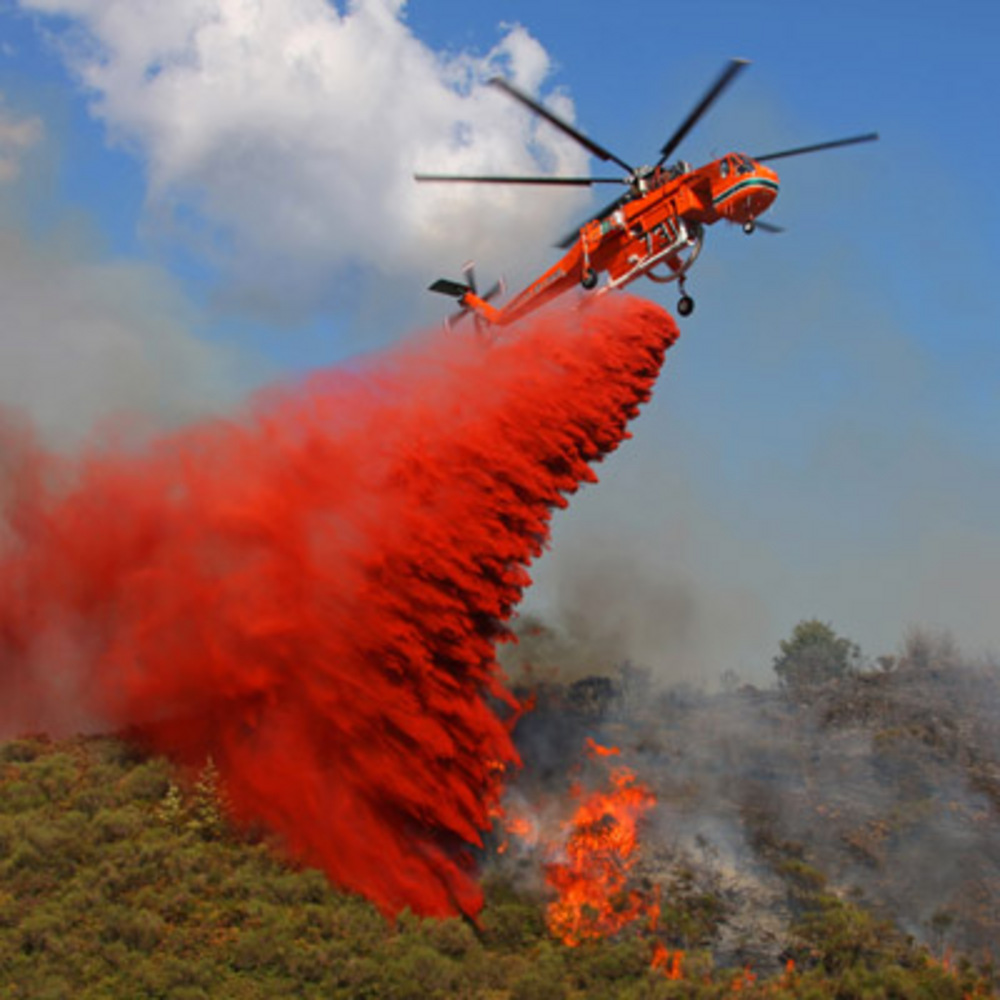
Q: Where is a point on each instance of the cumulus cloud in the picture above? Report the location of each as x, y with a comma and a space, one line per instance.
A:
17, 136
293, 127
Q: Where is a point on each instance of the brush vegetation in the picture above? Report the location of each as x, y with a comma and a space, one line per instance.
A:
120, 879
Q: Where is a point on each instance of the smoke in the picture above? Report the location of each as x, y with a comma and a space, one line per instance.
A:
17, 136
87, 338
311, 593
644, 570
881, 788
280, 136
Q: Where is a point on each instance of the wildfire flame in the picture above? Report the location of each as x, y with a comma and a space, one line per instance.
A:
671, 963
596, 750
517, 826
594, 899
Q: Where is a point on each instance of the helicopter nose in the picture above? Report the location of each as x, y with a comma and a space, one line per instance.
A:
762, 195
752, 196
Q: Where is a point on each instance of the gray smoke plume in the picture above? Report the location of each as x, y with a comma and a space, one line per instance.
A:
882, 787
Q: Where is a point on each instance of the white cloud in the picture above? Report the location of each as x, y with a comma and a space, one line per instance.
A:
17, 136
294, 129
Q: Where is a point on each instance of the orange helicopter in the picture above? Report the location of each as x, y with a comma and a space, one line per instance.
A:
658, 222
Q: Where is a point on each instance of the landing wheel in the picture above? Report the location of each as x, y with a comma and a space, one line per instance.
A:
749, 227
685, 305
589, 279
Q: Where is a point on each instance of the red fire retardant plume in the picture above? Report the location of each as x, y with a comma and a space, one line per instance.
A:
311, 594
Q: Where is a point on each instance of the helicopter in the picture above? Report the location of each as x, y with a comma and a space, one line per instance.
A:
655, 228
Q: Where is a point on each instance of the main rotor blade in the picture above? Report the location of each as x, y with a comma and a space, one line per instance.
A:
571, 236
851, 141
768, 227
529, 102
499, 179
725, 78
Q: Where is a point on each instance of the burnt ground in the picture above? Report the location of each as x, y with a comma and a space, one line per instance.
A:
881, 788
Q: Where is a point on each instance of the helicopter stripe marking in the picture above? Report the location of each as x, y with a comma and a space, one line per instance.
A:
749, 183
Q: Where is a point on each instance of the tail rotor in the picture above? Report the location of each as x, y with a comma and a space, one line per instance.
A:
457, 290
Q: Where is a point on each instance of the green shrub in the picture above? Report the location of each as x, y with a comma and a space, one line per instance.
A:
453, 938
544, 978
22, 795
116, 824
814, 654
148, 782
414, 971
24, 750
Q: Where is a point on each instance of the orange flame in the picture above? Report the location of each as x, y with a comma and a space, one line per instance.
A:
517, 826
743, 981
671, 962
594, 900
596, 750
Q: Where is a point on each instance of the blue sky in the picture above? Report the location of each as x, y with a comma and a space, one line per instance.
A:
826, 438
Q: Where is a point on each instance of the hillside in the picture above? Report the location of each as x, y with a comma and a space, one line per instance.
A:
796, 845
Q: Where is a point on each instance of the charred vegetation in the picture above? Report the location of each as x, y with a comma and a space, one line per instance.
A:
854, 793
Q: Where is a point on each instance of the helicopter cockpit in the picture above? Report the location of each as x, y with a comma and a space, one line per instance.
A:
735, 163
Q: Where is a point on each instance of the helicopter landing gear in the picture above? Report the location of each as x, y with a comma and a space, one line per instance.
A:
749, 227
589, 278
685, 304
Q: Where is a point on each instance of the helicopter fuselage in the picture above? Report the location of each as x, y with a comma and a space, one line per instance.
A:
661, 225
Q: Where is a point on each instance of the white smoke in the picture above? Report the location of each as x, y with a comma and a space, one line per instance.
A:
17, 136
86, 338
294, 128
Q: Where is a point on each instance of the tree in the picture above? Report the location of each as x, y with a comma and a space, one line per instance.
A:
594, 697
813, 655
207, 805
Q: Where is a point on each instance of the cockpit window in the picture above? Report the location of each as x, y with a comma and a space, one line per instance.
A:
743, 164
724, 168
